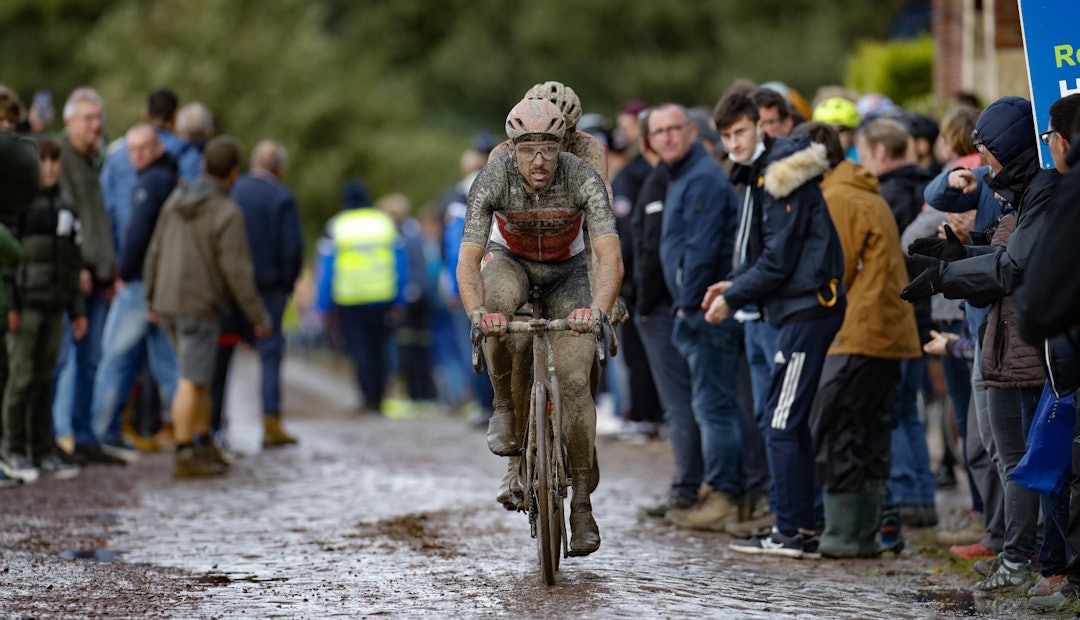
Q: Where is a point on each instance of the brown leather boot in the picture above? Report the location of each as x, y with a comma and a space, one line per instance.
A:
273, 435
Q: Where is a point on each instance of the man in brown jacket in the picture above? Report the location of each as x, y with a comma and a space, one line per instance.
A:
852, 415
197, 264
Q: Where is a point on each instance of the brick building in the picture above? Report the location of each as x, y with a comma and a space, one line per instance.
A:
979, 49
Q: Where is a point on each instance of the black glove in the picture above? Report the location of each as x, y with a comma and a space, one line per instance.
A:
948, 249
926, 284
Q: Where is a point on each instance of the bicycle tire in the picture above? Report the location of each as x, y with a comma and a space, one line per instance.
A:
547, 543
559, 469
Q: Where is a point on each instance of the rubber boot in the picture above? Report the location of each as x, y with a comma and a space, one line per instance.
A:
842, 512
871, 499
501, 436
584, 533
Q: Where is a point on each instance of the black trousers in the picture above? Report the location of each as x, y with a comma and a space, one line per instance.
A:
851, 421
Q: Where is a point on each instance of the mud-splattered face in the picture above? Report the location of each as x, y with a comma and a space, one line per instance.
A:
536, 160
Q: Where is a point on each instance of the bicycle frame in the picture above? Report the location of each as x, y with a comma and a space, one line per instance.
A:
543, 466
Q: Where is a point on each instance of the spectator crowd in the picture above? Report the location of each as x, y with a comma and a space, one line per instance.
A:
802, 279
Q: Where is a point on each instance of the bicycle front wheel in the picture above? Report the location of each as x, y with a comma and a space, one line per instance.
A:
549, 542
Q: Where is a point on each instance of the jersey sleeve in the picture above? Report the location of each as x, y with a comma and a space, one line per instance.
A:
599, 218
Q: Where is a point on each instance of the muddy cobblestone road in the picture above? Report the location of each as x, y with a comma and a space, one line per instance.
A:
395, 517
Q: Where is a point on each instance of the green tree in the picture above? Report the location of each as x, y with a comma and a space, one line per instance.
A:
271, 70
37, 43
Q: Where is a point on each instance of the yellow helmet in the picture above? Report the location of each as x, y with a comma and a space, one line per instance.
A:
837, 111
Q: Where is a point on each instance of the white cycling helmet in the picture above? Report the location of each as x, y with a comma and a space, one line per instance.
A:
535, 116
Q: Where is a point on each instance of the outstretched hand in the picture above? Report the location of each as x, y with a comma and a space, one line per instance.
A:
949, 249
926, 284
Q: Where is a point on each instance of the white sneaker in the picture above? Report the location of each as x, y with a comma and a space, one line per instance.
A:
18, 467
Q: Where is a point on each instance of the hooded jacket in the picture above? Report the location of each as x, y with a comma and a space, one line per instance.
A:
991, 272
877, 323
794, 261
198, 261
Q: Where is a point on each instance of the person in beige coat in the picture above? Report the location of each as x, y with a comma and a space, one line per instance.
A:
851, 419
198, 263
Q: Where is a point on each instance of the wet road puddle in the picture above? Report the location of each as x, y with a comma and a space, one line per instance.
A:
954, 602
215, 578
98, 555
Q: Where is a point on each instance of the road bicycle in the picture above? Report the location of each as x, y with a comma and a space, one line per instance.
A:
544, 466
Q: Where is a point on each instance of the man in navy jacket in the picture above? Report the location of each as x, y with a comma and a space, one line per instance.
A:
276, 241
696, 246
127, 329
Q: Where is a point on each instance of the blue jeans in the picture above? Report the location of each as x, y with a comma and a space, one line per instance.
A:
480, 383
129, 339
450, 354
711, 351
672, 378
74, 382
958, 381
271, 351
910, 479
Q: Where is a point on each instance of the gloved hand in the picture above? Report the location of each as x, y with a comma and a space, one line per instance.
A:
949, 249
491, 323
582, 320
927, 283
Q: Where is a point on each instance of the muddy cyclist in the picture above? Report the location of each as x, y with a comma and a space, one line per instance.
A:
525, 222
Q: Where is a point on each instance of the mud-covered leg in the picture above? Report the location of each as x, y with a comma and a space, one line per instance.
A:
505, 290
574, 369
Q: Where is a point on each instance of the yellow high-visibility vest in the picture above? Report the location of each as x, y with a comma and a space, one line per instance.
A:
365, 271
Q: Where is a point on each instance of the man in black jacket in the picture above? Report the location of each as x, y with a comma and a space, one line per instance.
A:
794, 269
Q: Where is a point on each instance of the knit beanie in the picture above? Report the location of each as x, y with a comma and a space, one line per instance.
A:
1006, 128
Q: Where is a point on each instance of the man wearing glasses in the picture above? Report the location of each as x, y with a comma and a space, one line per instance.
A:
525, 225
1005, 136
696, 247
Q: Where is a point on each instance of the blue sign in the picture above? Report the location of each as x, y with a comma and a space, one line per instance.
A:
1052, 50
